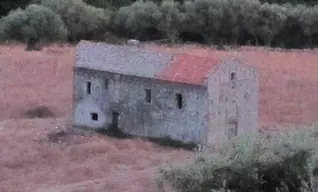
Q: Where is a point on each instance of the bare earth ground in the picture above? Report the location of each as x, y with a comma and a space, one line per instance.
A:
288, 87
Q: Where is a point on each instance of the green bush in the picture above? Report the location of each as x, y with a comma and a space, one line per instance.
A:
41, 111
36, 23
283, 163
82, 21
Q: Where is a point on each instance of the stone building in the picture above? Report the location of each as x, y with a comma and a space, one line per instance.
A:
153, 94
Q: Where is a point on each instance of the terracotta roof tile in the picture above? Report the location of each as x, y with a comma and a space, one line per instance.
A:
188, 69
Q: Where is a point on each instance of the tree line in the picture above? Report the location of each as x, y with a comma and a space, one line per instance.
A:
8, 5
239, 22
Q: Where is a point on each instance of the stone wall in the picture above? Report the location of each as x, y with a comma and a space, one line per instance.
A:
126, 96
233, 100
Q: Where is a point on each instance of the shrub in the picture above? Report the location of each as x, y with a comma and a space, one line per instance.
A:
39, 112
286, 162
36, 23
82, 21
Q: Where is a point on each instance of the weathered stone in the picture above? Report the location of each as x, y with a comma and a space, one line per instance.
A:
206, 115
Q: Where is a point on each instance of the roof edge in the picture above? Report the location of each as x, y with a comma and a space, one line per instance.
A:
243, 62
143, 77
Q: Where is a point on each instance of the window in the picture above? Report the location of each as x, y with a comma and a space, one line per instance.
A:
94, 116
233, 76
88, 87
179, 100
233, 126
106, 83
148, 95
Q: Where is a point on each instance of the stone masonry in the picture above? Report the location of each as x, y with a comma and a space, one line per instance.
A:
152, 94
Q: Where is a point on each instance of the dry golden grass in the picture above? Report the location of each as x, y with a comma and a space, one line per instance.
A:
288, 84
30, 79
29, 163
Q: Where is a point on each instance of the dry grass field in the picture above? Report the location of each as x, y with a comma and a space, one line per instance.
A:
288, 87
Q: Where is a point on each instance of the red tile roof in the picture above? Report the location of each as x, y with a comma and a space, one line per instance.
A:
188, 69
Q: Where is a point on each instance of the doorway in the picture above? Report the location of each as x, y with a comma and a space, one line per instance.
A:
115, 117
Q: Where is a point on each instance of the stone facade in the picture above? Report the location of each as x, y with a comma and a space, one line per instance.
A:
141, 104
233, 100
126, 95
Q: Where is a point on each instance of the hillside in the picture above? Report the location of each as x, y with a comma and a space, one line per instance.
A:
288, 84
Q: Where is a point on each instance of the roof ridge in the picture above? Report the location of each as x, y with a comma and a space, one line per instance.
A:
127, 47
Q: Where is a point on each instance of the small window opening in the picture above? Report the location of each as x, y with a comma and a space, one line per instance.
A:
106, 83
94, 116
233, 129
233, 76
179, 100
88, 87
148, 95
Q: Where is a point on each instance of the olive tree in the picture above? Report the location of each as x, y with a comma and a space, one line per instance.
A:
204, 17
35, 23
292, 35
137, 19
309, 22
82, 21
170, 20
240, 18
269, 22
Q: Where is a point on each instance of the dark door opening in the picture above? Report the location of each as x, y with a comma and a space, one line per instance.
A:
115, 117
